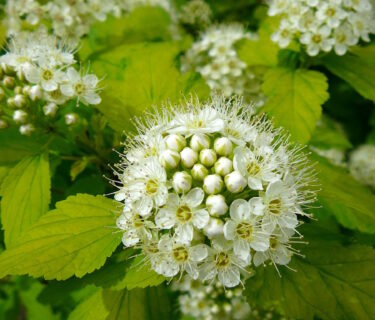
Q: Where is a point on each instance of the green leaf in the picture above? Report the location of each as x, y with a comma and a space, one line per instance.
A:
357, 67
294, 99
26, 196
141, 25
78, 167
331, 282
14, 146
151, 66
262, 51
342, 196
74, 239
150, 304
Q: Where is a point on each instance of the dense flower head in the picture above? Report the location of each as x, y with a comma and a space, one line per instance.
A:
38, 75
214, 56
195, 13
210, 189
323, 25
362, 164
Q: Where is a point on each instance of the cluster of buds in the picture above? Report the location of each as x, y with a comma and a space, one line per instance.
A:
322, 25
211, 189
38, 76
195, 13
214, 56
362, 164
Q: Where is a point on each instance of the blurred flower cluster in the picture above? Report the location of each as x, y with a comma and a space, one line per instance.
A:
214, 56
323, 25
211, 189
362, 164
38, 74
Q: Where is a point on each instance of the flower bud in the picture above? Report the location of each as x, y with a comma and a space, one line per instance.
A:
35, 92
235, 182
71, 119
8, 70
181, 182
9, 82
188, 157
10, 102
26, 129
223, 146
3, 124
19, 100
214, 228
19, 116
18, 90
216, 205
199, 171
199, 142
175, 142
21, 75
207, 157
169, 159
223, 166
26, 90
2, 94
213, 184
50, 109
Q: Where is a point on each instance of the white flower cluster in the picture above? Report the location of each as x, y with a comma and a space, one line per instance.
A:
212, 301
37, 75
333, 155
70, 20
210, 189
196, 13
215, 58
362, 164
323, 25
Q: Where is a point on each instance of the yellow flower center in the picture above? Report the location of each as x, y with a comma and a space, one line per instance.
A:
180, 254
274, 206
184, 214
222, 260
244, 230
152, 187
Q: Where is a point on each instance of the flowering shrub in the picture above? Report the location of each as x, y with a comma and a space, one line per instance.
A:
190, 159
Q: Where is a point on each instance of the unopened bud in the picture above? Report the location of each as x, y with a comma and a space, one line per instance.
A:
175, 142
26, 90
214, 228
9, 82
71, 119
181, 182
27, 129
3, 124
213, 184
19, 100
8, 70
216, 205
19, 116
223, 146
21, 75
207, 157
18, 90
188, 157
223, 166
50, 109
199, 142
199, 171
35, 92
169, 159
235, 182
10, 102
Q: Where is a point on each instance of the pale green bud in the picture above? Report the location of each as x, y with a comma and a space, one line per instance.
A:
50, 109
216, 205
199, 171
35, 92
169, 159
9, 82
207, 157
26, 129
223, 146
71, 119
175, 142
181, 182
214, 228
18, 90
19, 116
223, 166
213, 184
3, 124
199, 142
10, 102
188, 157
20, 100
235, 182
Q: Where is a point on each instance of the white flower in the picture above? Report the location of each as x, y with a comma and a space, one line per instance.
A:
245, 230
316, 39
48, 77
183, 213
223, 264
362, 164
84, 87
179, 257
216, 205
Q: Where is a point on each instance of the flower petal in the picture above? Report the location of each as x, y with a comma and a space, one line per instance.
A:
165, 219
194, 198
201, 218
198, 252
240, 210
229, 229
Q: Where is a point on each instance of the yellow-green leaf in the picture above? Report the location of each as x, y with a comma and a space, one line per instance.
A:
74, 239
26, 196
294, 99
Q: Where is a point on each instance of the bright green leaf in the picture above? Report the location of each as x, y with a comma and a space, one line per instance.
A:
346, 199
74, 239
140, 76
26, 196
294, 99
331, 282
357, 68
146, 304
